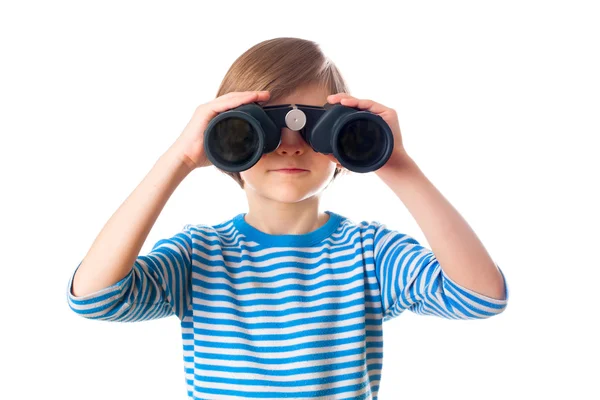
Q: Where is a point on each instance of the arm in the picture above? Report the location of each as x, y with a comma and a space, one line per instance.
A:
459, 276
115, 249
411, 278
460, 253
112, 278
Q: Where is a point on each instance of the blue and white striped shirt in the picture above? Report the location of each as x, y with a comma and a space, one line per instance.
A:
284, 316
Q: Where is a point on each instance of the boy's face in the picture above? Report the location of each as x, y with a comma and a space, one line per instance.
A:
264, 181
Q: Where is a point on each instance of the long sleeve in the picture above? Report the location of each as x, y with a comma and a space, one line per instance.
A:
410, 277
158, 286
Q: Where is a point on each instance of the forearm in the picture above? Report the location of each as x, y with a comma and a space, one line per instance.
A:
115, 249
459, 251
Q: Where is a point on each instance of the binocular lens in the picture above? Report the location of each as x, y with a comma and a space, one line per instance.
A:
234, 141
361, 142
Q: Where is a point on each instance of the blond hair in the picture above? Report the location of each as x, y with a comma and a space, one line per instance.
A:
281, 66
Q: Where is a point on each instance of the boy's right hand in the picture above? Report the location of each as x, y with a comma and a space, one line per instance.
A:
190, 144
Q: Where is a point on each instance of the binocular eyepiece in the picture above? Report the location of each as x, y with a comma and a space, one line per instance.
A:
360, 140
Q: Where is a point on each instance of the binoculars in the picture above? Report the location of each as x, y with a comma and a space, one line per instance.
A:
236, 139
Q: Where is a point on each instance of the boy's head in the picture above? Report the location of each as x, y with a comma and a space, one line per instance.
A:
293, 71
264, 180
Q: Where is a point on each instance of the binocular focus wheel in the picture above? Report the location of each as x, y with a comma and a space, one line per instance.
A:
295, 119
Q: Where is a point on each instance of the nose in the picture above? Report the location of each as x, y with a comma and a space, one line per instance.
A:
292, 142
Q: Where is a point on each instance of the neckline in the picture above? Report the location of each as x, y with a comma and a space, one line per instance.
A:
306, 239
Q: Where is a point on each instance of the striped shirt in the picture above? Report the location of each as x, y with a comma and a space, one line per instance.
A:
284, 316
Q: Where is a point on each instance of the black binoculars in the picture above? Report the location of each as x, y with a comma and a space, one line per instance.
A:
360, 140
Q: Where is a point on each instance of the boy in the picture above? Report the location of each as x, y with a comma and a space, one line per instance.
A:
287, 300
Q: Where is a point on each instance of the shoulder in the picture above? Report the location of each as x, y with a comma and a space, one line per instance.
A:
377, 231
365, 226
210, 234
359, 223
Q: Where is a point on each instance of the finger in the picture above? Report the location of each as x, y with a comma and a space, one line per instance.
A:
334, 98
228, 97
367, 105
237, 99
244, 93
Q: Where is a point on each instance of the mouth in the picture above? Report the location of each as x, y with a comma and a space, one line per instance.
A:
290, 170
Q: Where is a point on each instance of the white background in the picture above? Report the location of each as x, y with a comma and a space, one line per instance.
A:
498, 104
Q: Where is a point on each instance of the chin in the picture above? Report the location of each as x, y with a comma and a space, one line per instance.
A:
289, 197
290, 194
287, 191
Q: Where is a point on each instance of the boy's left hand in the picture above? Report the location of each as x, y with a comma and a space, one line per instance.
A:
389, 115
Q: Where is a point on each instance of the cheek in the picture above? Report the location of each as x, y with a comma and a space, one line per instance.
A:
253, 176
246, 176
327, 166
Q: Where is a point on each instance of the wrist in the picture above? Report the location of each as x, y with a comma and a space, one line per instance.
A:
400, 161
178, 158
177, 161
